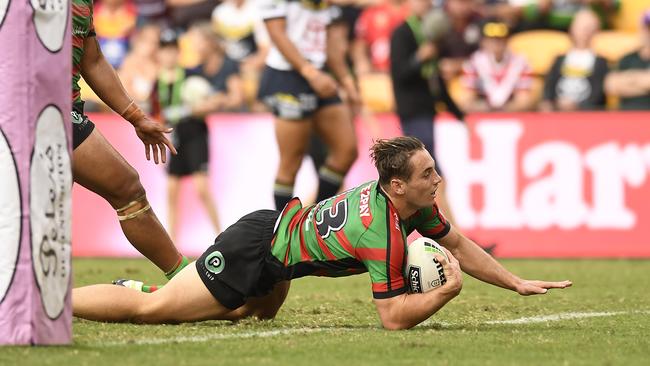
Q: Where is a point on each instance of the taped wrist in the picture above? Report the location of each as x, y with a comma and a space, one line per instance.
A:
132, 113
134, 209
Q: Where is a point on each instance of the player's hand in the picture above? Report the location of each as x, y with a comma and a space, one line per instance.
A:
153, 136
323, 84
453, 273
534, 287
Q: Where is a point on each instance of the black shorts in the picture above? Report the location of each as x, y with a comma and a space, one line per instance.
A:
239, 264
82, 127
190, 139
289, 95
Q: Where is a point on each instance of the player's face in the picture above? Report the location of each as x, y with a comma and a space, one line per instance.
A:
424, 181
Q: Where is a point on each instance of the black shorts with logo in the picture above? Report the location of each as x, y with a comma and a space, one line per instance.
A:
239, 264
82, 127
289, 95
190, 138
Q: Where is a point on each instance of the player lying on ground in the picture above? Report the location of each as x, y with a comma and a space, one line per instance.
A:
248, 269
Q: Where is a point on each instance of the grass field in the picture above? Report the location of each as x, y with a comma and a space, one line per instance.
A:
604, 319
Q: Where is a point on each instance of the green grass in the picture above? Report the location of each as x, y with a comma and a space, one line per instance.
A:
333, 322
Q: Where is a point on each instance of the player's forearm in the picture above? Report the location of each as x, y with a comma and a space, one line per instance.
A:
627, 83
103, 80
409, 310
480, 265
336, 49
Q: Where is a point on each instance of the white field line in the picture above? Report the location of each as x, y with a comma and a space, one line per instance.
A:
209, 337
289, 331
562, 316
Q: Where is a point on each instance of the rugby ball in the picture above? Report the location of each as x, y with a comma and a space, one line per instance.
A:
195, 89
423, 272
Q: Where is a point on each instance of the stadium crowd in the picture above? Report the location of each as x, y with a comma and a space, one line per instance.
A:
493, 55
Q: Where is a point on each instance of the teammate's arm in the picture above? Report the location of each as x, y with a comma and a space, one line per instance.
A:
408, 310
103, 80
477, 263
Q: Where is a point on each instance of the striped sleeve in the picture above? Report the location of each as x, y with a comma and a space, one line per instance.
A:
429, 222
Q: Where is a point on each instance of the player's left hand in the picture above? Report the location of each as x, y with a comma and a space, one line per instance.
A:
534, 287
153, 136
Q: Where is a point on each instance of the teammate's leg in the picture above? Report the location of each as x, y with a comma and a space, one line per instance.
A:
334, 125
173, 191
202, 185
183, 299
293, 138
101, 169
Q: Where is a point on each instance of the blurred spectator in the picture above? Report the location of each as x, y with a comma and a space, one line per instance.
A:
370, 48
240, 26
576, 80
558, 14
183, 13
495, 78
175, 104
462, 40
151, 12
114, 21
631, 83
140, 69
413, 73
221, 71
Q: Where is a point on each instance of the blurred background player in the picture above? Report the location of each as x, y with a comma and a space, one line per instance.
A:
97, 166
301, 94
248, 269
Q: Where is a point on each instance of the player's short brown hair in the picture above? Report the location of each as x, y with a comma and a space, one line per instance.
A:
391, 157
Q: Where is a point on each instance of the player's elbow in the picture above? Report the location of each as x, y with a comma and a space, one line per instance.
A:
396, 325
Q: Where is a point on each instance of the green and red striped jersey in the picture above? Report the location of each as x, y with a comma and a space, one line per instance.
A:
354, 232
82, 27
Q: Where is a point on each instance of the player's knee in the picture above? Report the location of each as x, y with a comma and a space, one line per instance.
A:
127, 188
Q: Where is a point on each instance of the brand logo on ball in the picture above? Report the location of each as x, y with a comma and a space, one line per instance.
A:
50, 208
414, 279
10, 216
214, 262
4, 5
50, 20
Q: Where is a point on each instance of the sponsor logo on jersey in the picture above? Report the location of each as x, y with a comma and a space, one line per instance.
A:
364, 197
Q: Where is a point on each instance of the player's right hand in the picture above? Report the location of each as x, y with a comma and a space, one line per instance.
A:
153, 137
453, 273
323, 84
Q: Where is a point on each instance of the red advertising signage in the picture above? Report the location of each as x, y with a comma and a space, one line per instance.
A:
536, 185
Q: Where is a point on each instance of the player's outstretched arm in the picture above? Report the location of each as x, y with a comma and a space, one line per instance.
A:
477, 263
103, 79
408, 310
